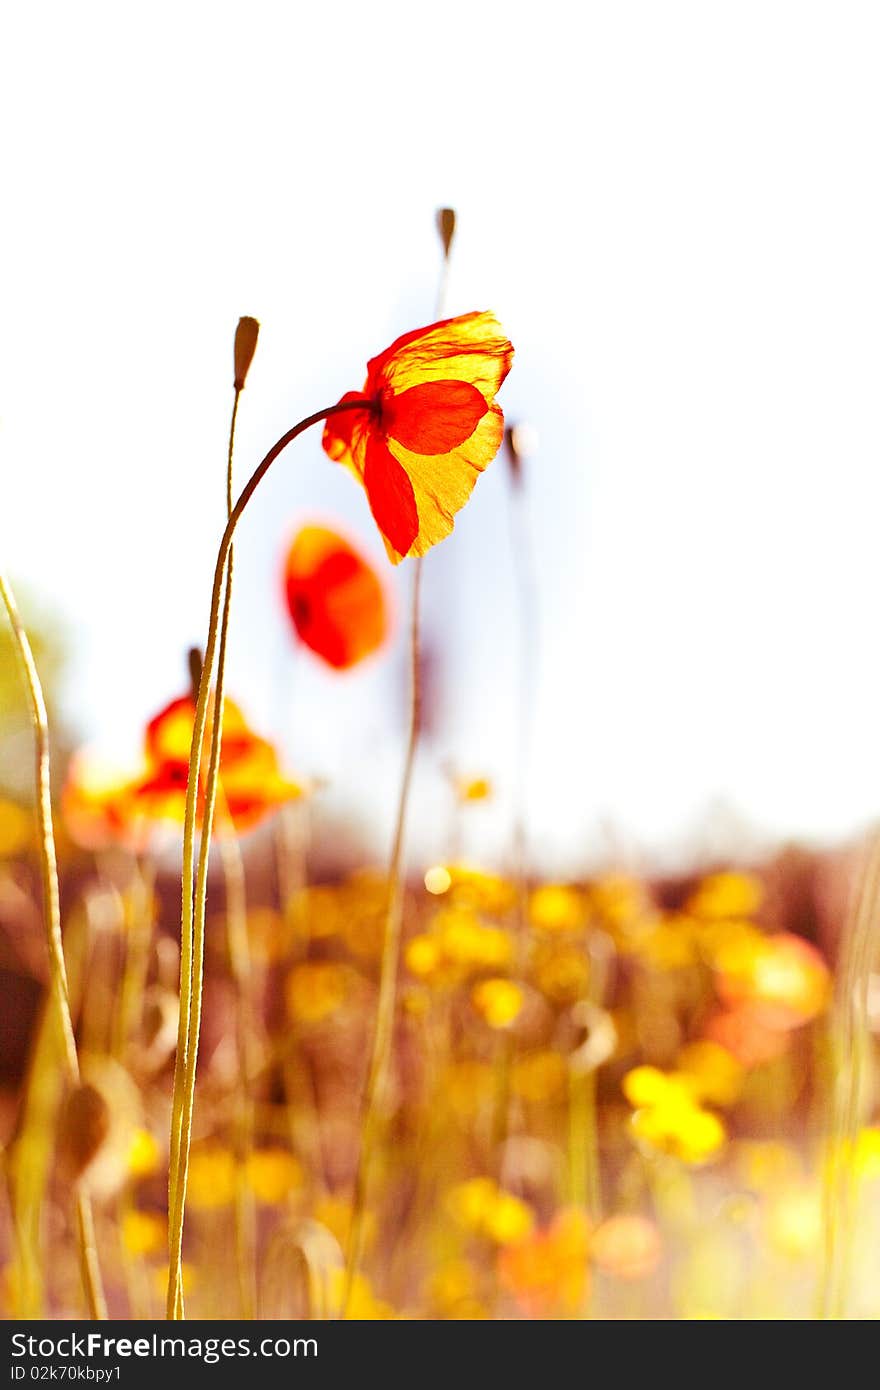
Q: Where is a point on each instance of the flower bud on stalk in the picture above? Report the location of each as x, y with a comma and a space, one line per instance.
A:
245, 346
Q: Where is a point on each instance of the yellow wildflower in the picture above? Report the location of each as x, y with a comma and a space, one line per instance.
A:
272, 1174
727, 894
16, 828
315, 989
143, 1154
212, 1177
498, 1002
143, 1232
556, 907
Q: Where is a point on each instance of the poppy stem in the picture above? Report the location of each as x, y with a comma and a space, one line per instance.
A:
385, 1008
238, 951
60, 992
850, 1041
194, 888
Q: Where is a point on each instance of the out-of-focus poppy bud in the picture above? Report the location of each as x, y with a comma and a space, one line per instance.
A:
521, 441
446, 228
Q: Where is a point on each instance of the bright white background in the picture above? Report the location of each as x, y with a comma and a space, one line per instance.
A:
672, 208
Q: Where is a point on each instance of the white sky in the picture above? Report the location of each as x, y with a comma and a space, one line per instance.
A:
672, 208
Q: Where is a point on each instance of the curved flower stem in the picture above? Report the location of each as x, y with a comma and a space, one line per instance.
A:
60, 993
193, 895
388, 970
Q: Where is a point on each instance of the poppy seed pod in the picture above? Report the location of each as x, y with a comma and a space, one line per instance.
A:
521, 442
446, 228
246, 335
85, 1125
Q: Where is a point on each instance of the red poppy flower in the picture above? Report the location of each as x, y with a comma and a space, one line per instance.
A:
335, 598
96, 806
251, 783
431, 428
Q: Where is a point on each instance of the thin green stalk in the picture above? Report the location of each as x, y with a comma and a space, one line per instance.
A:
185, 1093
385, 1006
60, 993
194, 894
525, 585
238, 951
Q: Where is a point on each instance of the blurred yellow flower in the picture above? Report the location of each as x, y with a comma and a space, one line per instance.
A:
561, 972
472, 788
272, 1174
484, 1209
466, 943
455, 1282
556, 907
479, 891
16, 828
143, 1232
315, 989
143, 1154
624, 907
645, 1086
423, 956
868, 1154
212, 1177
363, 1306
498, 1002
686, 1132
727, 894
668, 1118
670, 943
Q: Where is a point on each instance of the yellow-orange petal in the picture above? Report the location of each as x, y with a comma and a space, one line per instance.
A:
442, 483
471, 348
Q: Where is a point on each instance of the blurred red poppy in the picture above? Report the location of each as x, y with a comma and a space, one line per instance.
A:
101, 809
432, 427
335, 598
251, 782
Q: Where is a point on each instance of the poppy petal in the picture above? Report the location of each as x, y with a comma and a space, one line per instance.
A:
434, 417
442, 483
335, 598
471, 348
338, 430
390, 494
